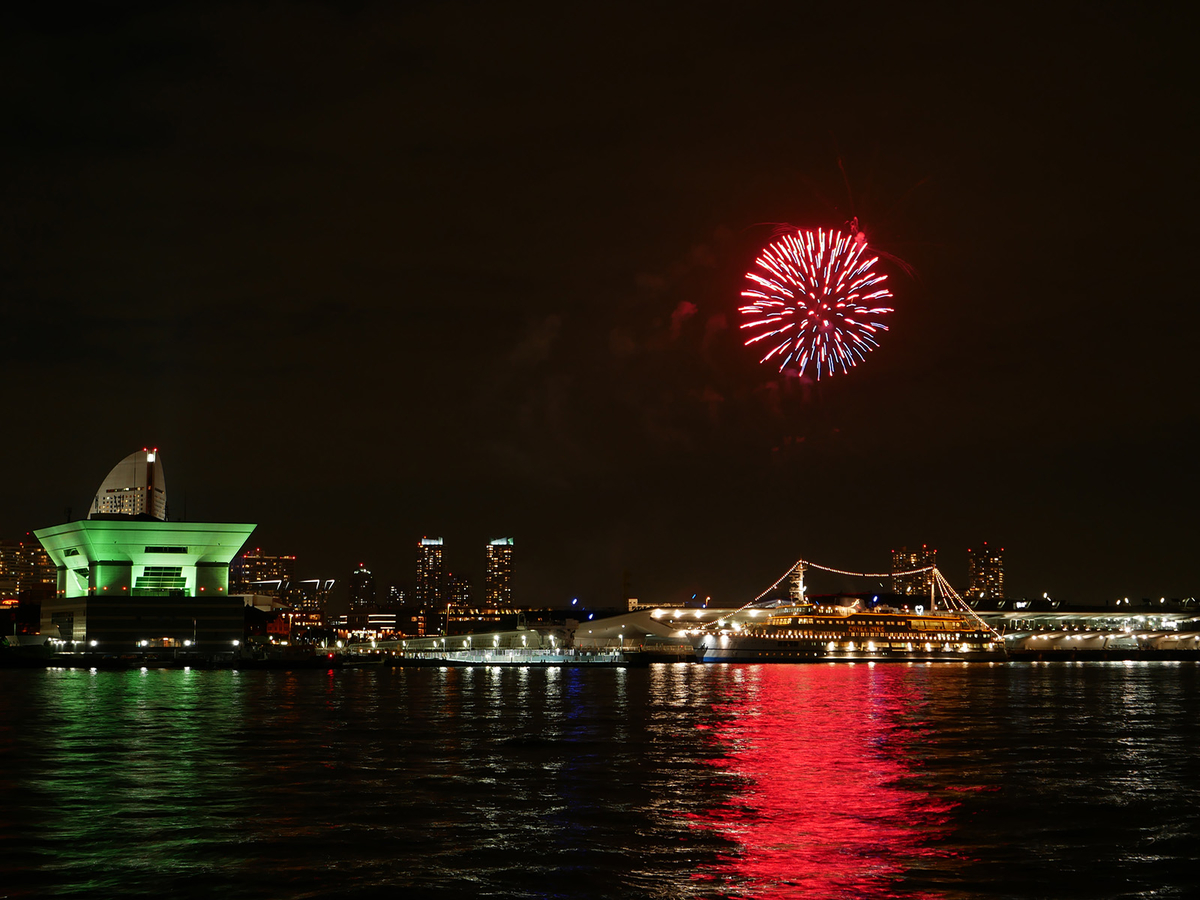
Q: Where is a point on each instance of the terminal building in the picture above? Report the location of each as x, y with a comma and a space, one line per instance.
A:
128, 580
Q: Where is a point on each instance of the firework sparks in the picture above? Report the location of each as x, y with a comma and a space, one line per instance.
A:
815, 299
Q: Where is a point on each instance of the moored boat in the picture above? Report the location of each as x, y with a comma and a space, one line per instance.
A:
845, 628
809, 632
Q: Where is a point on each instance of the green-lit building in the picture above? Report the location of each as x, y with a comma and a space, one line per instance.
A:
138, 582
126, 583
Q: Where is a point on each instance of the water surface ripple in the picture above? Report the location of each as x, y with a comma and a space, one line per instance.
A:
676, 781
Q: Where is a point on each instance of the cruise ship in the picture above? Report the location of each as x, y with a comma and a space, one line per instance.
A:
849, 631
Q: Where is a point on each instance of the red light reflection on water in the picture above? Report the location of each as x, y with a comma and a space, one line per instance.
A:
820, 755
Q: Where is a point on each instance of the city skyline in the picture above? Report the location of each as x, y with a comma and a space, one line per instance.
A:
984, 567
433, 584
366, 271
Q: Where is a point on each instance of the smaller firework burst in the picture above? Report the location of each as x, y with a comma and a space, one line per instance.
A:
815, 300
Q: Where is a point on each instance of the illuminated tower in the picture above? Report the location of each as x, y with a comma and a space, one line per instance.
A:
498, 593
362, 588
135, 487
919, 583
985, 573
429, 573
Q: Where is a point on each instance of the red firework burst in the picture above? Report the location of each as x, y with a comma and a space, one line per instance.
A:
815, 300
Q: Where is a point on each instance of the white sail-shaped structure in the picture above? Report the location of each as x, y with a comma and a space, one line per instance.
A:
136, 486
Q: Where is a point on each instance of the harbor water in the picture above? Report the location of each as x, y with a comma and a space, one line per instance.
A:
1018, 780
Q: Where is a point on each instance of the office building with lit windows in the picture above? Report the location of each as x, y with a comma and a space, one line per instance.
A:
498, 591
985, 573
904, 561
25, 567
362, 588
795, 581
429, 592
457, 590
254, 569
132, 580
309, 595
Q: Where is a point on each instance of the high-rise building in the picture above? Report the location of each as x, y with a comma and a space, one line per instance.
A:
362, 588
25, 566
311, 595
252, 571
796, 583
498, 592
457, 590
135, 487
985, 573
429, 573
904, 561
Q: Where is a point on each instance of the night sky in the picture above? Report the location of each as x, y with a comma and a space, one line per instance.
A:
369, 271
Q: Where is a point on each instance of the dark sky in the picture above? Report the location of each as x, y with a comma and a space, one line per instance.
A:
368, 271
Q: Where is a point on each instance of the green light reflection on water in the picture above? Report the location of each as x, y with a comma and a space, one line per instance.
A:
133, 771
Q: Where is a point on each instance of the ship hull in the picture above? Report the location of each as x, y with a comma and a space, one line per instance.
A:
712, 648
750, 655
